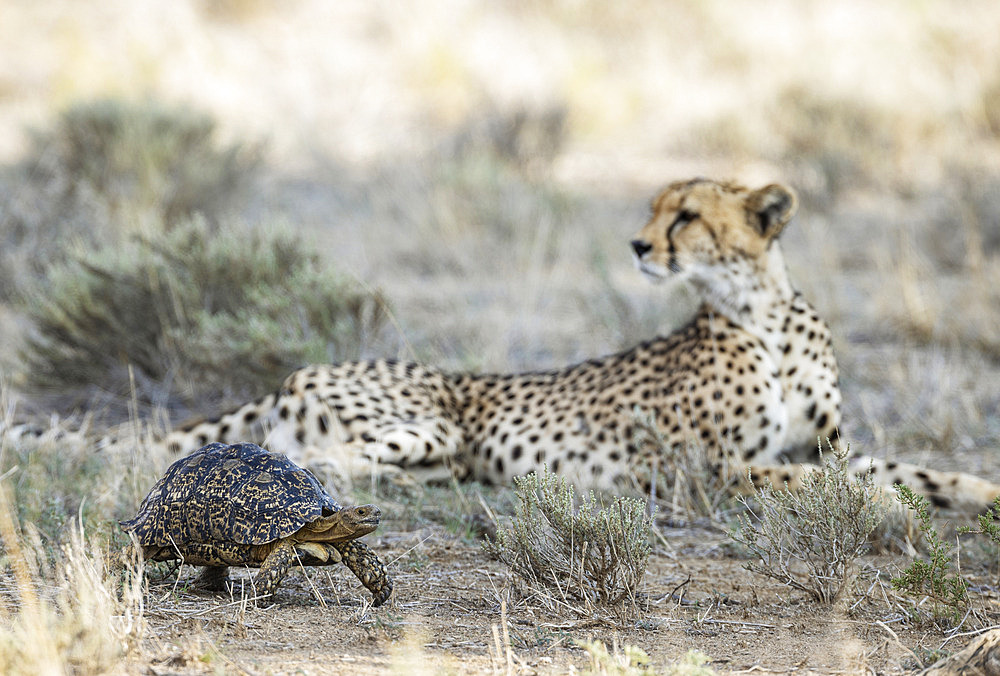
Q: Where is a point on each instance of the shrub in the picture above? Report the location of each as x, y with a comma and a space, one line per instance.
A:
589, 554
988, 525
109, 167
221, 312
932, 578
808, 539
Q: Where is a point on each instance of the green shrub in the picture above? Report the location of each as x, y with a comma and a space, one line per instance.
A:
933, 577
808, 539
224, 312
588, 553
988, 525
109, 167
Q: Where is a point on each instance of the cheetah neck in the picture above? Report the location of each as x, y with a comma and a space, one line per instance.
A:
756, 296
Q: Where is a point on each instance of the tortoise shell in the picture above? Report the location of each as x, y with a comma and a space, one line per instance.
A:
240, 493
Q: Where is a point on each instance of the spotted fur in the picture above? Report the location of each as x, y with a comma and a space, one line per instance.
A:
751, 380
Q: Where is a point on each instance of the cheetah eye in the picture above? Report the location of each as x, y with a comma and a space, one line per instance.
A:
685, 216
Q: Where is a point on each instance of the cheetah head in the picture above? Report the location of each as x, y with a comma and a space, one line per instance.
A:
717, 235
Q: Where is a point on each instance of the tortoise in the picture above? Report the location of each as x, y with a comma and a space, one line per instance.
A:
242, 505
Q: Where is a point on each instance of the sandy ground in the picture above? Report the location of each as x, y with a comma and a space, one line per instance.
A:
450, 600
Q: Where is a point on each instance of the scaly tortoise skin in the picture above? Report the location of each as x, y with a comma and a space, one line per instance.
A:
242, 505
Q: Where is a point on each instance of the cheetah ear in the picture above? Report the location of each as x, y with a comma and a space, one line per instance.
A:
772, 207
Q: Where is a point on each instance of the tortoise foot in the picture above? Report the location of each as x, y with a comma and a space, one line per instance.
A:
382, 595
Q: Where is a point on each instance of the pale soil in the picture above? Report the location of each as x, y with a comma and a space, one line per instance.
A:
446, 610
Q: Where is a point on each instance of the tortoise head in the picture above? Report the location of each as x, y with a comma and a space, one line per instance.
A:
345, 524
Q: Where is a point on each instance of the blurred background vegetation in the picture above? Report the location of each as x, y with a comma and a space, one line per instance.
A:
197, 197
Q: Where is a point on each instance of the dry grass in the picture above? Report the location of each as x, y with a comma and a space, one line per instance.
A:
79, 615
810, 539
685, 484
59, 478
576, 555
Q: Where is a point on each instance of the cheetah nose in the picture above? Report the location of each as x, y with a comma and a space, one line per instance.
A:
641, 247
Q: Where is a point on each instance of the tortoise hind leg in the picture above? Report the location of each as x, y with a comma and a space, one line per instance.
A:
367, 567
274, 568
213, 578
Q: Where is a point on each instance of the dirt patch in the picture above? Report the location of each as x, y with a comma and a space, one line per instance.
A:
446, 616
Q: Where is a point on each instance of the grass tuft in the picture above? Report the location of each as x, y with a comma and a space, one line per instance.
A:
570, 554
809, 539
76, 617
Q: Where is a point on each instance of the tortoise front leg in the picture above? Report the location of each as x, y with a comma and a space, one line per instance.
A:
274, 568
367, 567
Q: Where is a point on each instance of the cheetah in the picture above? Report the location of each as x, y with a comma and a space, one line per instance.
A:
751, 380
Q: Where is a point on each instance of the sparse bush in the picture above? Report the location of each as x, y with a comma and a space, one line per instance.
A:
587, 553
932, 578
808, 539
230, 311
110, 167
686, 483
